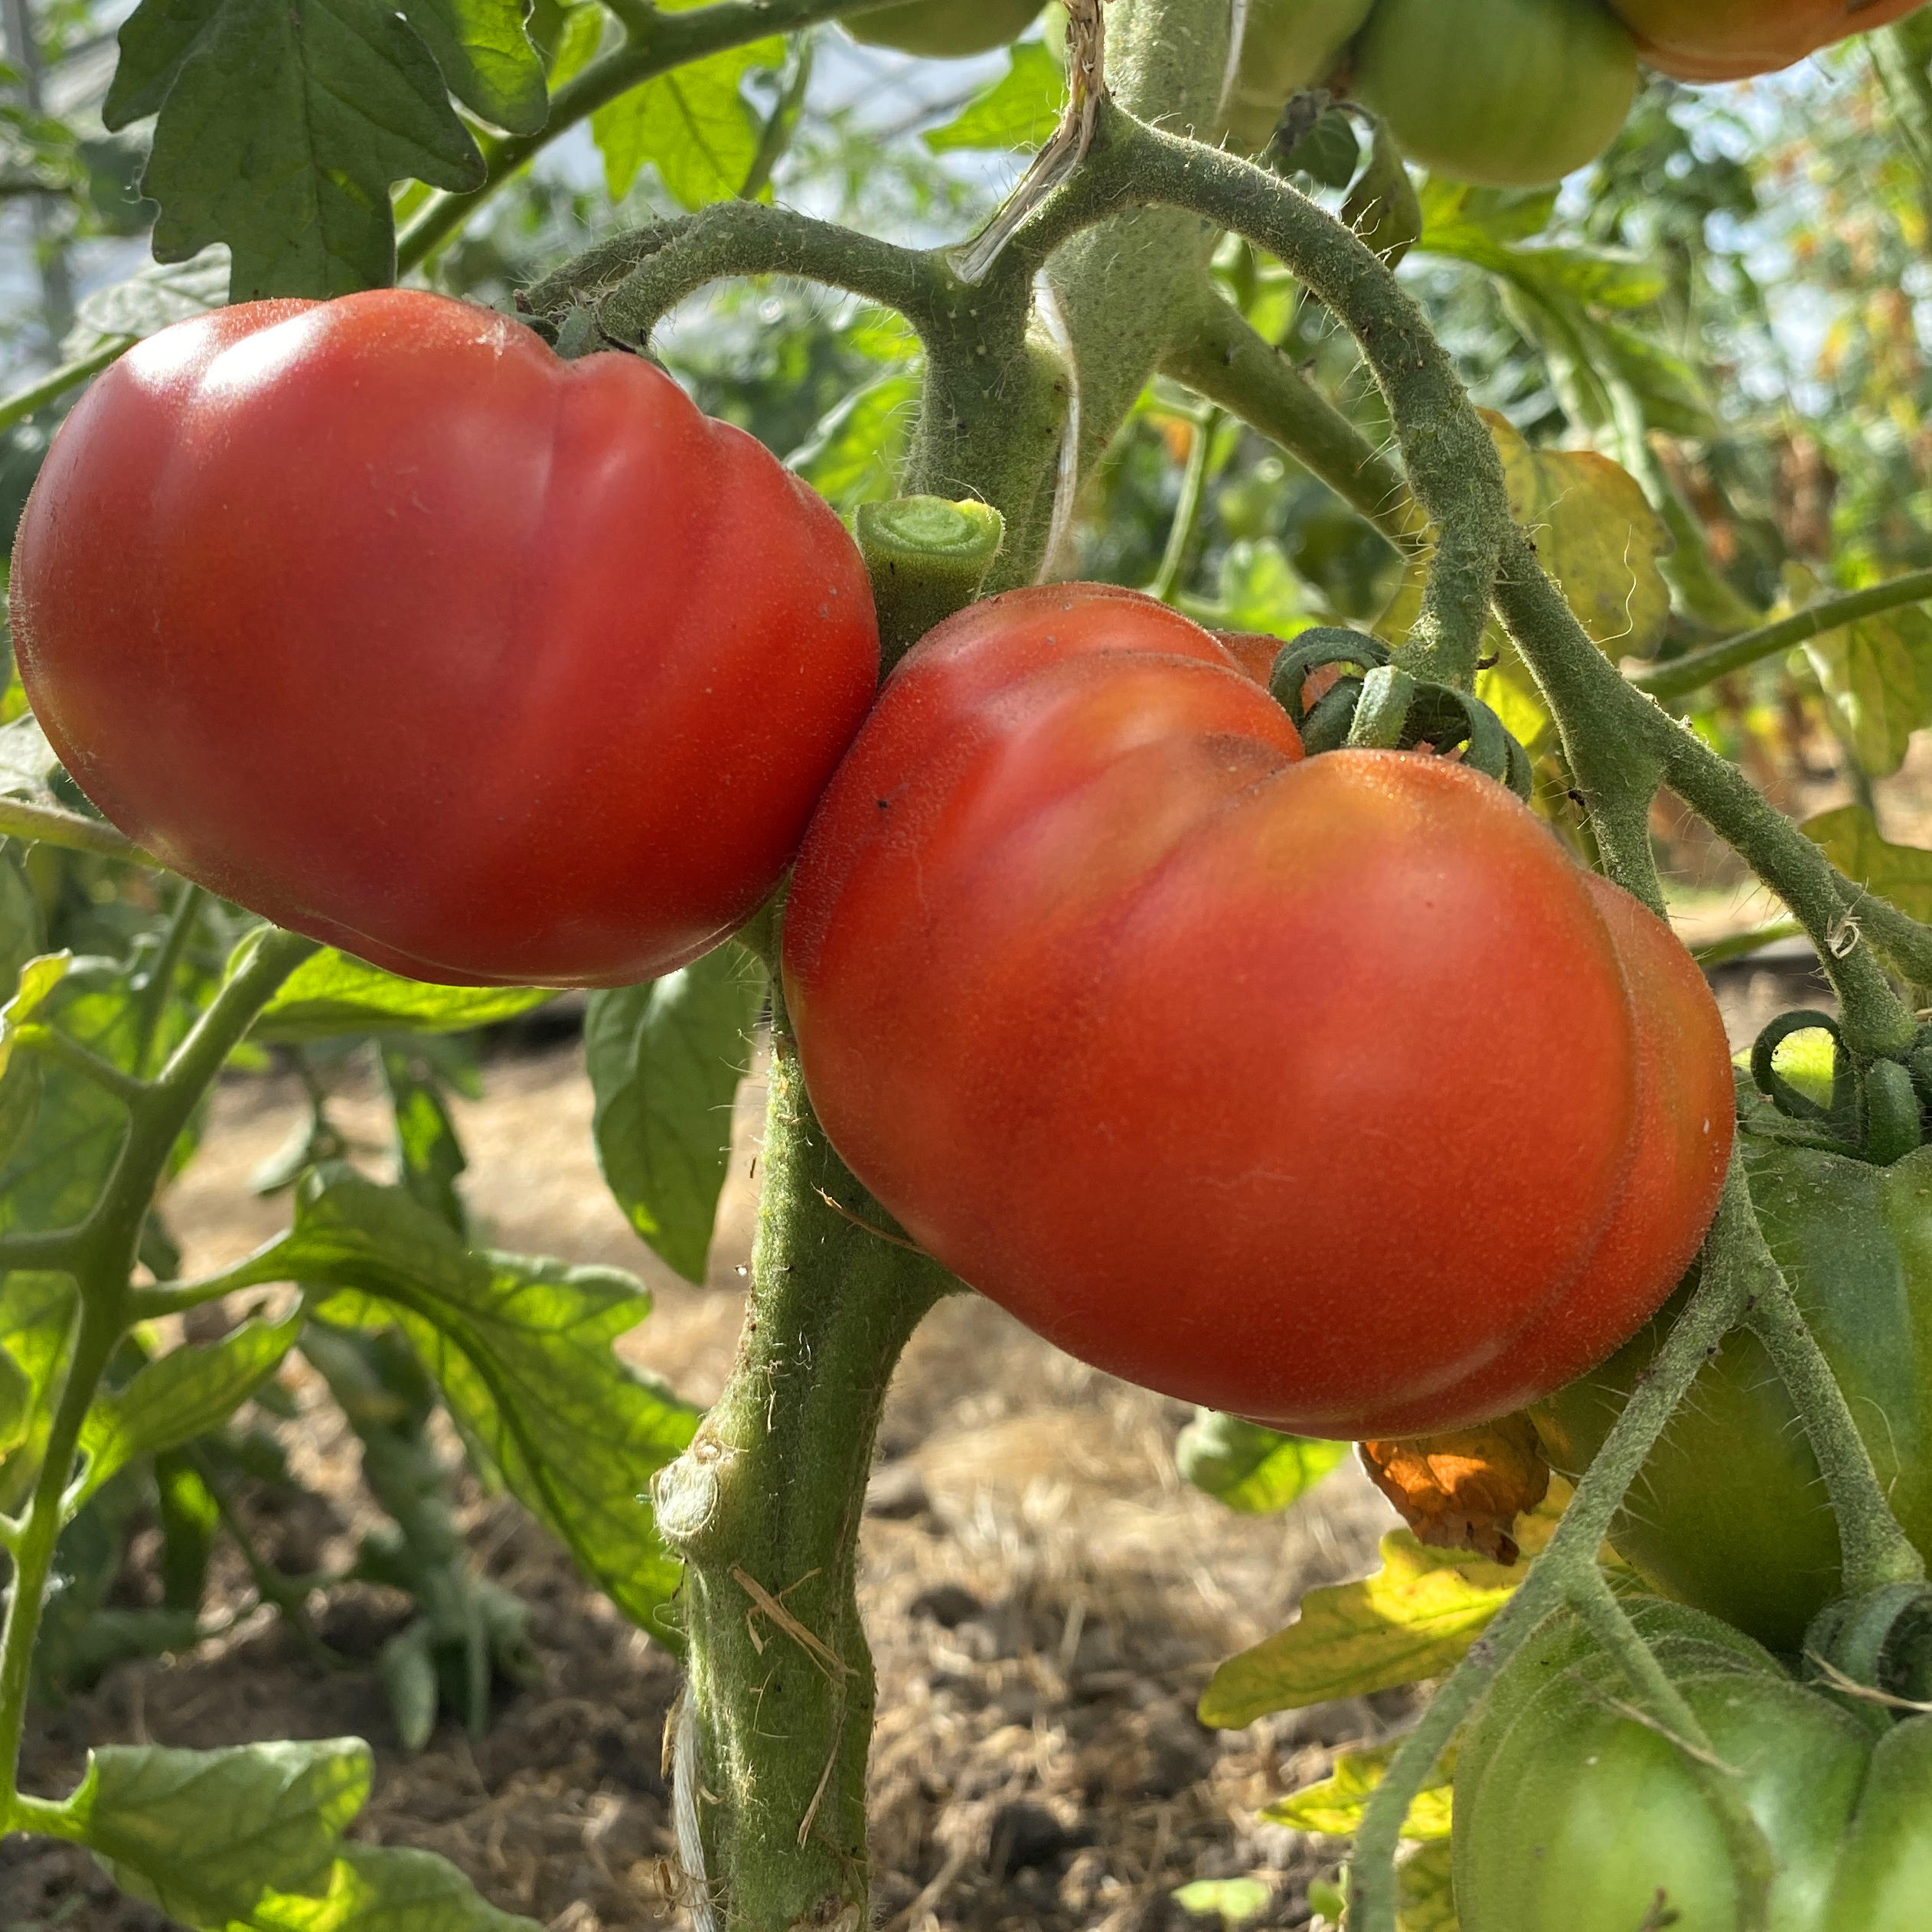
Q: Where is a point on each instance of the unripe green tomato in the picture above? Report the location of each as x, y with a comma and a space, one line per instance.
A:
1574, 1814
945, 30
1288, 45
1510, 93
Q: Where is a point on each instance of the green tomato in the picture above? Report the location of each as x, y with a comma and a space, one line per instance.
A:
1572, 1815
945, 30
1288, 45
1730, 1512
1510, 93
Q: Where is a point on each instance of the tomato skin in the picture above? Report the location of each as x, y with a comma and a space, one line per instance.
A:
1730, 40
1686, 1122
1510, 93
1572, 1816
1729, 1513
945, 30
1121, 1010
1286, 46
378, 618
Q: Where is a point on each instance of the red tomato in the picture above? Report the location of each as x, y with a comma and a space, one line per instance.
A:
1298, 1089
378, 618
1726, 40
1686, 1117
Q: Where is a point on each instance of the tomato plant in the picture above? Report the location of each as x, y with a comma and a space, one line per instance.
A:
1278, 1014
1727, 40
944, 29
1508, 93
526, 671
1572, 1813
981, 829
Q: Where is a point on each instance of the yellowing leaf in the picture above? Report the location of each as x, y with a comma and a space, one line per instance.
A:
1414, 1618
1597, 536
1852, 842
1334, 1806
1425, 1901
1877, 677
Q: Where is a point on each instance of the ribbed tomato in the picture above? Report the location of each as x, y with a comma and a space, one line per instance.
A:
377, 618
1300, 1089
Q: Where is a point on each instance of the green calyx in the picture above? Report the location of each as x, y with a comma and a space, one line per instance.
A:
1880, 1643
1388, 709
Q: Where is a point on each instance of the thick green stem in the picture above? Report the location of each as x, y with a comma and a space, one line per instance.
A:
1732, 1272
72, 831
927, 558
1453, 468
765, 1507
1874, 1550
654, 44
1679, 676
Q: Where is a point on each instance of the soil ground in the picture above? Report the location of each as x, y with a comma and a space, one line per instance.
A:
1045, 1596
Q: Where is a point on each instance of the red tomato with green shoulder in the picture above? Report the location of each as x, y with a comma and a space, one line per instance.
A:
1300, 1088
377, 618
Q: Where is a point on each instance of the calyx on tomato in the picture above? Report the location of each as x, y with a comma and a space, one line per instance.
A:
945, 30
1286, 45
1573, 1814
378, 618
1510, 93
1727, 39
1329, 1092
1729, 1513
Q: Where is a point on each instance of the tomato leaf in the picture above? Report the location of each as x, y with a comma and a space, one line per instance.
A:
1877, 677
429, 1152
1253, 1470
248, 1839
1019, 110
1231, 1900
1852, 842
282, 127
693, 125
1426, 1900
331, 994
180, 1396
1414, 1618
1333, 1807
16, 1403
486, 58
665, 1060
852, 454
521, 1351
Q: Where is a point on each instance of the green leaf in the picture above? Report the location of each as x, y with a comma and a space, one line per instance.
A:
57, 1172
1333, 1807
1229, 1900
16, 1403
521, 1351
428, 1150
283, 122
1877, 677
1852, 842
181, 1394
248, 1839
693, 125
36, 1315
202, 1835
1019, 110
486, 58
665, 1060
150, 300
27, 762
23, 939
331, 994
1414, 1618
1425, 1893
1259, 591
1252, 1469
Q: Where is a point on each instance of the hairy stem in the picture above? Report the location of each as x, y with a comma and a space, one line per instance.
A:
73, 831
1681, 676
764, 1507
